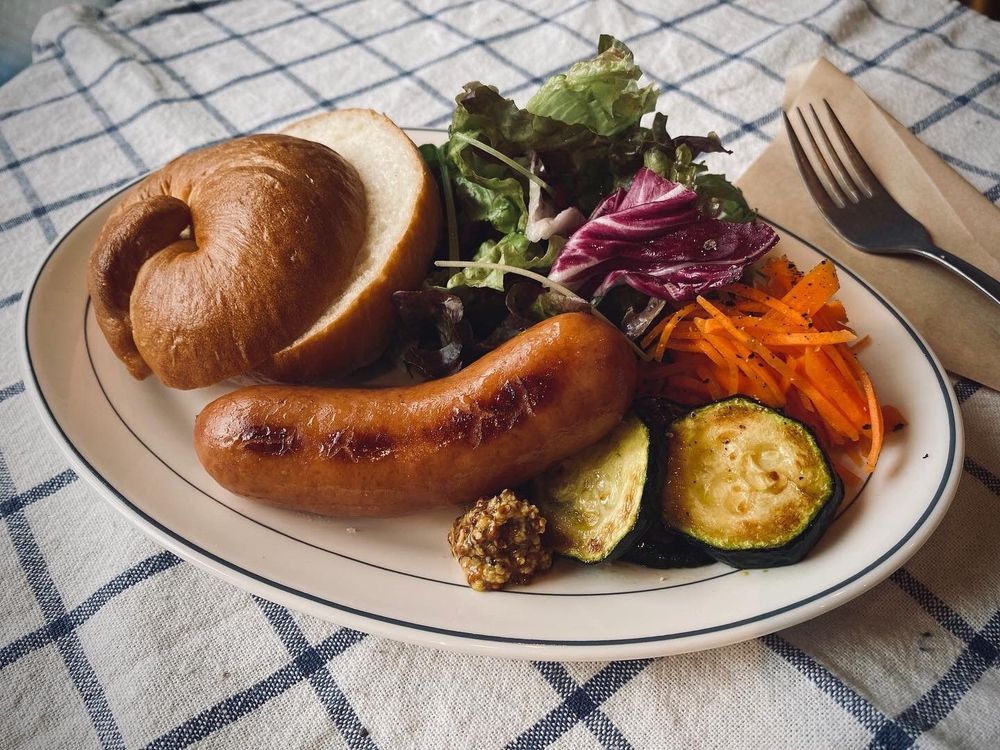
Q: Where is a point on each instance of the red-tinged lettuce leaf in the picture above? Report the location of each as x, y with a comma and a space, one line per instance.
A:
431, 330
654, 238
440, 331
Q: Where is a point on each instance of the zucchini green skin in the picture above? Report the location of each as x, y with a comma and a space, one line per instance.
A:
685, 497
563, 492
664, 548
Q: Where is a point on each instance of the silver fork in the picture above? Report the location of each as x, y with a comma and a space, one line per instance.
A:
861, 209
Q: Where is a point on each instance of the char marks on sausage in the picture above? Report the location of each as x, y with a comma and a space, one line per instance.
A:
354, 446
271, 441
480, 421
473, 421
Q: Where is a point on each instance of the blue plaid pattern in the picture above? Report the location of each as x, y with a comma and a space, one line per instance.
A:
107, 641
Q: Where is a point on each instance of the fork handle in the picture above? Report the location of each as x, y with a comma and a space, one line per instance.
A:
979, 279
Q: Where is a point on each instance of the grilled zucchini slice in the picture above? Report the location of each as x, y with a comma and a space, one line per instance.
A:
748, 483
664, 548
598, 502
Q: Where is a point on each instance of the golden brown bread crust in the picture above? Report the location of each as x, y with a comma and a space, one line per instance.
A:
362, 331
276, 222
548, 393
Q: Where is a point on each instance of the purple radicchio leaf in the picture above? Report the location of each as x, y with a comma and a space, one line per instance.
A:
653, 238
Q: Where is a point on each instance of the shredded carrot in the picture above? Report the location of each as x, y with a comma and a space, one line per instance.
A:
784, 341
808, 339
731, 383
814, 289
766, 389
767, 300
681, 346
751, 307
667, 329
690, 383
710, 351
780, 275
837, 355
875, 414
834, 311
819, 370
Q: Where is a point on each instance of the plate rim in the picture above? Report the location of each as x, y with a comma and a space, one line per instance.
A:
515, 647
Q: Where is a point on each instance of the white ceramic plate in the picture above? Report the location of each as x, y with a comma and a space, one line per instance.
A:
132, 441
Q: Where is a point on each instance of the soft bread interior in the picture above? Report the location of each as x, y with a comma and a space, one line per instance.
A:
392, 174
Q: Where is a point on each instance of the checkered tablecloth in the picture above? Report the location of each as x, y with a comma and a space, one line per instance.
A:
107, 640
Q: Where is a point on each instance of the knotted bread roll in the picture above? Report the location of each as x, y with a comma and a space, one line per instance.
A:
275, 223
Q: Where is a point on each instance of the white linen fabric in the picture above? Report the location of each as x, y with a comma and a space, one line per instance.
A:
107, 640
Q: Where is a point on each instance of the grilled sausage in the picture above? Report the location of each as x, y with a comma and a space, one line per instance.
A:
546, 394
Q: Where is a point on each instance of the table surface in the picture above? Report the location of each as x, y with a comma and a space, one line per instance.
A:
107, 640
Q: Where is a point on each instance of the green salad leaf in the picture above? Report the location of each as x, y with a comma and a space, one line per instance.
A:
568, 151
600, 93
513, 249
498, 200
722, 199
583, 128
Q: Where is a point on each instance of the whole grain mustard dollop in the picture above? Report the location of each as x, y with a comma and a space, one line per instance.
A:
498, 541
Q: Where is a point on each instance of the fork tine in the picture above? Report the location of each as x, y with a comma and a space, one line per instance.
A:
853, 155
816, 189
833, 187
848, 182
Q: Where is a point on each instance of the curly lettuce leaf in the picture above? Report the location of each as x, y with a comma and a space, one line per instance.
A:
513, 249
569, 152
600, 93
500, 201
